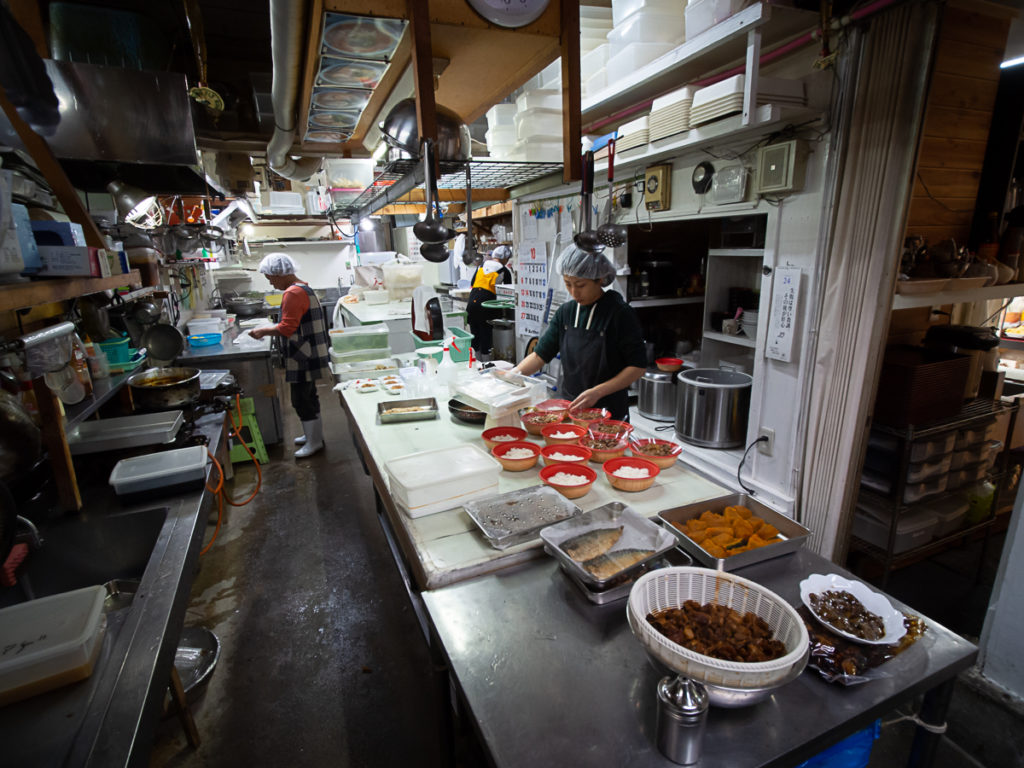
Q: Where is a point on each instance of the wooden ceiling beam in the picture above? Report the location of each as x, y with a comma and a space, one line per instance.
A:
446, 195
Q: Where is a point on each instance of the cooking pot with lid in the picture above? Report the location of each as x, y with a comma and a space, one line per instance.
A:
657, 395
713, 406
159, 389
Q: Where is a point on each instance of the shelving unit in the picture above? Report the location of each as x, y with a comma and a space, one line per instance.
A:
740, 341
646, 303
987, 293
45, 291
728, 268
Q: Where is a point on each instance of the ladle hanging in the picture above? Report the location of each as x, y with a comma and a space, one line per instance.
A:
612, 235
431, 229
586, 238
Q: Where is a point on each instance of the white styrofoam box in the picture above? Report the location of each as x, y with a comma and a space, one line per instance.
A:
544, 124
650, 26
57, 639
433, 481
537, 151
621, 9
918, 473
676, 97
949, 514
176, 467
501, 136
594, 61
538, 98
500, 115
701, 15
630, 58
912, 529
596, 82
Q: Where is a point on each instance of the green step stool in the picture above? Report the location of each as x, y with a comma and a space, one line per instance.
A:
249, 433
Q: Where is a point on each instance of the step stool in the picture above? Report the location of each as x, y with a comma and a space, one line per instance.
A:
248, 433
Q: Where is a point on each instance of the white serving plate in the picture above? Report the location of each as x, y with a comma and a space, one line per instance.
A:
872, 601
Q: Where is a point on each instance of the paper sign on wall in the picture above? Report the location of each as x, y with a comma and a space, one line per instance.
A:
531, 296
782, 321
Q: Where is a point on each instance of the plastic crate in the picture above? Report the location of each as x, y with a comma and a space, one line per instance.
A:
359, 338
464, 339
919, 386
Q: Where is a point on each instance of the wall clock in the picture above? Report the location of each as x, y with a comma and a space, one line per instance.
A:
509, 13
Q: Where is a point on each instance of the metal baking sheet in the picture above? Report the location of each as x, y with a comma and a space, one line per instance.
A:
621, 590
124, 432
517, 516
792, 533
637, 533
428, 403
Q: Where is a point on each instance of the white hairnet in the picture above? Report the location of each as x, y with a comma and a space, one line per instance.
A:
277, 264
502, 252
575, 262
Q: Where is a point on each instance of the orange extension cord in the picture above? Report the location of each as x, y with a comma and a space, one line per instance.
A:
222, 494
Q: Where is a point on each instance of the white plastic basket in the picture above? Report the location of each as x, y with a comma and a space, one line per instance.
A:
671, 587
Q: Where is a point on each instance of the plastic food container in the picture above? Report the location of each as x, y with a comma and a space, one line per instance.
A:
556, 454
366, 369
631, 484
965, 476
622, 9
912, 530
122, 432
594, 62
516, 465
918, 473
501, 136
537, 151
976, 454
949, 515
432, 481
917, 491
967, 438
539, 98
179, 468
511, 435
50, 642
701, 15
631, 57
551, 434
541, 124
650, 25
359, 338
500, 115
376, 297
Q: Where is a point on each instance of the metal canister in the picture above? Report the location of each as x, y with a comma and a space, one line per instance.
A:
682, 719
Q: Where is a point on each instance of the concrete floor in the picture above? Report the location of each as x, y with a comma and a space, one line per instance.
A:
324, 664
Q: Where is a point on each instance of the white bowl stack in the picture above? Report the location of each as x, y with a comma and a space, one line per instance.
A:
670, 114
748, 322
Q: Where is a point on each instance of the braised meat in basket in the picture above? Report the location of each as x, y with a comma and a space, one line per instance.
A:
718, 631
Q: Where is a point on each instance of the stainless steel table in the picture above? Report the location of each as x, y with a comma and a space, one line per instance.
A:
551, 679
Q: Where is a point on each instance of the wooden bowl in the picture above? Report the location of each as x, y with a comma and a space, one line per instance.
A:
663, 462
489, 434
564, 450
535, 420
549, 432
600, 455
631, 484
569, 491
669, 364
516, 465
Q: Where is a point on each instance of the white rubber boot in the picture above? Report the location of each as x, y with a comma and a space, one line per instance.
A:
314, 433
300, 440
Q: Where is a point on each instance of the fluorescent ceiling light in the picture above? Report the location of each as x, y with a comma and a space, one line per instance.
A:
1012, 62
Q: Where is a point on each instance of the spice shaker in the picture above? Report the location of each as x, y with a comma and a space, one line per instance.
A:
682, 718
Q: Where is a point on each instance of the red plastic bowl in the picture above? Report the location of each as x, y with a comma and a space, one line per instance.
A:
584, 417
669, 364
569, 491
630, 483
611, 428
664, 462
516, 465
549, 432
489, 434
565, 450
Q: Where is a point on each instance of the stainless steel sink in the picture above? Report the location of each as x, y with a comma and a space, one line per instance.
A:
85, 550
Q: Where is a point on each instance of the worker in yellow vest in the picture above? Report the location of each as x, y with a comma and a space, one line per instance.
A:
488, 275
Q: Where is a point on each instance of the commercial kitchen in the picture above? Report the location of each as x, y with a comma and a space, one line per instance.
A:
807, 217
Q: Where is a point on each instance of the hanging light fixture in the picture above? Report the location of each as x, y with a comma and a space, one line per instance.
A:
136, 207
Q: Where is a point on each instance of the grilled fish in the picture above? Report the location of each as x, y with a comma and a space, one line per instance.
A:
589, 545
607, 565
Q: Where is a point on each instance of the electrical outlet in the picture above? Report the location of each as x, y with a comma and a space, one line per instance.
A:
766, 447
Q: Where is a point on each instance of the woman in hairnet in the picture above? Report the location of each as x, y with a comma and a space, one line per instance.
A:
487, 276
597, 334
303, 327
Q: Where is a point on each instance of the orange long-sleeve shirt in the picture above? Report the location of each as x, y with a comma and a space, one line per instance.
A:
294, 304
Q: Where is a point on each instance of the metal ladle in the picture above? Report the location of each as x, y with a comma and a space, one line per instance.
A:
586, 239
431, 229
612, 235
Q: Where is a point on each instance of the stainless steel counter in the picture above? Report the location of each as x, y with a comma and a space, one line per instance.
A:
109, 719
551, 679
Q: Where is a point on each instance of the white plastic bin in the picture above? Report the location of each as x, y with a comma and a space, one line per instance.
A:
349, 173
594, 61
918, 473
596, 83
433, 481
538, 98
949, 515
537, 151
175, 468
500, 114
982, 452
966, 476
622, 9
649, 26
401, 279
501, 136
917, 491
912, 529
633, 56
542, 124
701, 15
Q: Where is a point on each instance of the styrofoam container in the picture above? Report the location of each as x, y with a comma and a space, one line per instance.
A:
538, 98
912, 529
433, 481
650, 26
544, 124
701, 15
622, 9
633, 56
50, 642
949, 515
177, 467
500, 114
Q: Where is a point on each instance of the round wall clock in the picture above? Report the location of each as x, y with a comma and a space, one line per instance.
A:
510, 13
702, 175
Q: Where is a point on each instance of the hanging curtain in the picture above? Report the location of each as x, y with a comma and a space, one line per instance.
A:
888, 65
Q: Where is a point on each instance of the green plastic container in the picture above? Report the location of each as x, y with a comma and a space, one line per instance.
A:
462, 338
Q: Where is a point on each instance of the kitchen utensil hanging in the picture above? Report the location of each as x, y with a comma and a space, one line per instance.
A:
201, 93
586, 239
612, 235
431, 229
470, 240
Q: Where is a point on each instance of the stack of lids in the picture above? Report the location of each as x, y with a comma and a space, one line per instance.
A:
670, 114
635, 133
726, 97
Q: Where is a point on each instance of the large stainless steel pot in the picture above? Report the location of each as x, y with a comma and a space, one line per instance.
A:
401, 131
503, 340
161, 388
713, 406
657, 395
244, 307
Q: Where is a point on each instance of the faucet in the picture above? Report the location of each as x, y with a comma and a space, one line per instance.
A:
34, 539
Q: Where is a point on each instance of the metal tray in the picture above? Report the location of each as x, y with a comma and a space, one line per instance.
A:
393, 418
517, 516
637, 533
124, 432
621, 590
793, 534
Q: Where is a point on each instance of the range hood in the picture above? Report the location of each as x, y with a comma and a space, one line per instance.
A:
130, 125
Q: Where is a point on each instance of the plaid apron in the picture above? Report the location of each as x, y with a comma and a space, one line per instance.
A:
306, 351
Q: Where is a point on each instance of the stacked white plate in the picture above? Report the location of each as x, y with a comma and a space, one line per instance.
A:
726, 97
635, 133
748, 322
670, 114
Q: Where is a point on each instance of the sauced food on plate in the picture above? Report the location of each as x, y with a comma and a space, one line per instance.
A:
845, 612
718, 631
736, 530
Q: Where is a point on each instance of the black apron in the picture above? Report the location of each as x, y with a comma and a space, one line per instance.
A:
585, 364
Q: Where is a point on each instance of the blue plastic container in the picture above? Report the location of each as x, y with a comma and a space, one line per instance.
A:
204, 339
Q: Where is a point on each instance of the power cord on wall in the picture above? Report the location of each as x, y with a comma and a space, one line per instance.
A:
751, 491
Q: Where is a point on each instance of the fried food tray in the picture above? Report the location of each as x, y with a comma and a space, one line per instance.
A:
793, 534
518, 516
386, 414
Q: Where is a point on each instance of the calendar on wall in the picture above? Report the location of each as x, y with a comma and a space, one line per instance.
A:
782, 320
531, 294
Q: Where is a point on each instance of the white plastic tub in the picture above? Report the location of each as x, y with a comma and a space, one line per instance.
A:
633, 56
50, 642
500, 115
982, 452
701, 15
542, 124
175, 468
433, 481
501, 136
537, 151
376, 297
918, 473
650, 26
538, 98
359, 338
912, 530
593, 61
623, 9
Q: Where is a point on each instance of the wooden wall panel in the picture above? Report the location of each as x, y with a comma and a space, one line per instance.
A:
959, 123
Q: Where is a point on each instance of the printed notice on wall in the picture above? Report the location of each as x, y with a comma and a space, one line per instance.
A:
532, 270
782, 321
